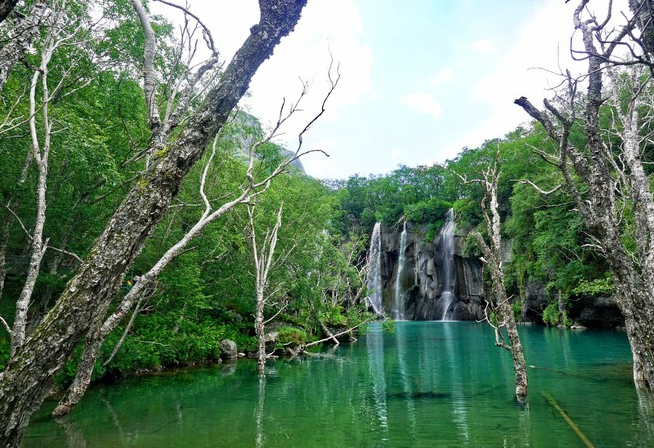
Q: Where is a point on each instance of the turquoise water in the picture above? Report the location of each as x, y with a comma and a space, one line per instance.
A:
427, 384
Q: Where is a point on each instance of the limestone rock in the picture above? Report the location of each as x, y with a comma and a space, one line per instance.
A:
228, 349
421, 281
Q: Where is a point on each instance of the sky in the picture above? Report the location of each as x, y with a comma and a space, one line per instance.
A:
419, 79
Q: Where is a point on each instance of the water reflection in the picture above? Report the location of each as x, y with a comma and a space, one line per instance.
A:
459, 403
260, 438
74, 435
401, 350
427, 384
375, 348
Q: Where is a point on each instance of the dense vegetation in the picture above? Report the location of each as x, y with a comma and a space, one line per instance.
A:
546, 235
207, 293
96, 130
81, 140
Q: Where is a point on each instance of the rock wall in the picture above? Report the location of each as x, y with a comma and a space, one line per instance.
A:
588, 311
421, 282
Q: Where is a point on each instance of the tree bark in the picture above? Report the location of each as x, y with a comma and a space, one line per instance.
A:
260, 331
6, 7
26, 380
633, 273
493, 260
83, 375
22, 35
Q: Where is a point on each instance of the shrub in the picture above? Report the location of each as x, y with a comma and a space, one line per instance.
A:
292, 335
551, 314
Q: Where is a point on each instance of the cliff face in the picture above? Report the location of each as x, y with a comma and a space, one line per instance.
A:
421, 282
588, 311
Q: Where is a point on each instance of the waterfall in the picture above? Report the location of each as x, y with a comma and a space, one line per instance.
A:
374, 270
398, 304
447, 301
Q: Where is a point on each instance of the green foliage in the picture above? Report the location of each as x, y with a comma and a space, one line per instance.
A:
333, 316
597, 287
207, 293
419, 194
516, 306
428, 211
5, 351
292, 335
388, 326
552, 314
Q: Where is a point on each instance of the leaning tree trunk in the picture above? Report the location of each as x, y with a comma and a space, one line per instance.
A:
634, 298
493, 260
506, 316
82, 379
598, 170
28, 376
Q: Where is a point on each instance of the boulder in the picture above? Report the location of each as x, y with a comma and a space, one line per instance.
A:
228, 349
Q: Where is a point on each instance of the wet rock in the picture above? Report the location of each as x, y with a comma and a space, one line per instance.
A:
228, 349
422, 282
596, 312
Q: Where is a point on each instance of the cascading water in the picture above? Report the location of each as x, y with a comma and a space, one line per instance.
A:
398, 303
447, 301
374, 270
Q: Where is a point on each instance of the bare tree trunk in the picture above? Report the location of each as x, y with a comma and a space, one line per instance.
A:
493, 260
82, 379
22, 35
94, 341
328, 332
6, 6
260, 331
28, 375
263, 260
40, 153
3, 251
603, 174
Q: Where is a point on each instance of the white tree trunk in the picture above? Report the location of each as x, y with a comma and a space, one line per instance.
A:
600, 169
40, 153
263, 259
493, 260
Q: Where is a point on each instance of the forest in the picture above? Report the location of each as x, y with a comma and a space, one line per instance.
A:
145, 217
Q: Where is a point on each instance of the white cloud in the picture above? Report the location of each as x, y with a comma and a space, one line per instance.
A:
484, 47
325, 27
444, 75
424, 103
519, 72
303, 56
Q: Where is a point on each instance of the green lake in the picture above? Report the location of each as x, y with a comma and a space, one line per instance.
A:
426, 384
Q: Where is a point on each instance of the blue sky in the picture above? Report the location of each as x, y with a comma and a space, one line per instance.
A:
421, 79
